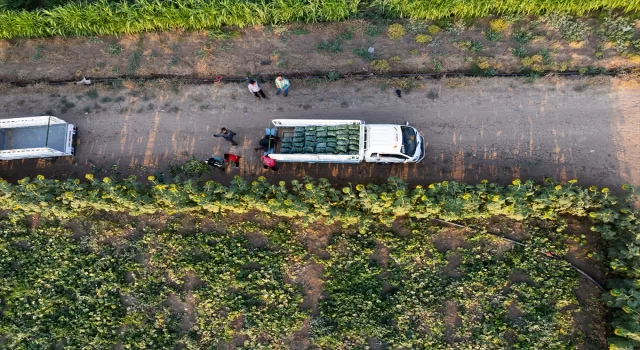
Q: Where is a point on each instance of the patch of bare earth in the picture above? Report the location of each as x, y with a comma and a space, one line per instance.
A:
452, 320
311, 277
450, 239
316, 237
301, 339
453, 261
583, 245
505, 227
590, 318
513, 311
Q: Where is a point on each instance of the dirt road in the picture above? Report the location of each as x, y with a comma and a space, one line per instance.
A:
495, 129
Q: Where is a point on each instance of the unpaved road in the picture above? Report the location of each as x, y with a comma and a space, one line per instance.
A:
495, 129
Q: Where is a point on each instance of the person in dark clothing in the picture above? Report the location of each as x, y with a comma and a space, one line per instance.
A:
229, 158
268, 141
215, 162
227, 135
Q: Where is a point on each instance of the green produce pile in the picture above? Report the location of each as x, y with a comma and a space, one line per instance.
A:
111, 18
305, 201
333, 139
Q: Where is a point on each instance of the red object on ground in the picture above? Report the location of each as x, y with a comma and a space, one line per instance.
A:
268, 161
231, 158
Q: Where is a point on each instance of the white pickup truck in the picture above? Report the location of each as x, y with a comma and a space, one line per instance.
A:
345, 141
36, 137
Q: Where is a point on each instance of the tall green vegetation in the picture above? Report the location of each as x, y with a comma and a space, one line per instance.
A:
362, 205
111, 18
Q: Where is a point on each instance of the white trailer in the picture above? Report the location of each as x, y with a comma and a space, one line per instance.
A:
36, 137
376, 143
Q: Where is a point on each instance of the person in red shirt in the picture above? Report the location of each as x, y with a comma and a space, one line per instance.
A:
229, 158
269, 163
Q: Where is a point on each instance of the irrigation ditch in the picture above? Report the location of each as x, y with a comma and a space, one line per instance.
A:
331, 76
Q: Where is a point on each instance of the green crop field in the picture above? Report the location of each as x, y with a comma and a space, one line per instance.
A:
112, 18
192, 270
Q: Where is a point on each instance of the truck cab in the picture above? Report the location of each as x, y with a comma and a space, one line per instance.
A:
388, 143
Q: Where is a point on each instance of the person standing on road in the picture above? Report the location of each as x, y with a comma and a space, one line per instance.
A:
229, 158
269, 163
282, 84
254, 87
227, 135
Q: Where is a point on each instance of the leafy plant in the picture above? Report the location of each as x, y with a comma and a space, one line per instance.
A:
330, 46
619, 31
300, 31
333, 76
113, 49
373, 29
395, 31
492, 35
381, 66
364, 53
570, 28
498, 25
433, 29
422, 38
521, 36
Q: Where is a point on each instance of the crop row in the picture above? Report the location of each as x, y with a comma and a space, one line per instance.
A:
113, 18
361, 205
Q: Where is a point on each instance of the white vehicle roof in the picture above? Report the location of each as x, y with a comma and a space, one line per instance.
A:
384, 138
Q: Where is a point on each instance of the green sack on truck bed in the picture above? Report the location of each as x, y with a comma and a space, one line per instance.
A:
332, 133
285, 150
330, 150
332, 144
298, 144
321, 144
342, 142
341, 149
309, 139
298, 139
354, 127
342, 138
321, 128
342, 132
321, 133
287, 139
321, 150
297, 149
309, 149
354, 137
342, 127
310, 128
354, 148
298, 131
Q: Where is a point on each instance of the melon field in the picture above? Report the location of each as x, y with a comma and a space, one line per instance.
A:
306, 265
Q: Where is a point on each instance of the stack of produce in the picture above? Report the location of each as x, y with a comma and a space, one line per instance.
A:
332, 139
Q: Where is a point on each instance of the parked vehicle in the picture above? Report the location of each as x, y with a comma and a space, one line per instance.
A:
345, 141
36, 137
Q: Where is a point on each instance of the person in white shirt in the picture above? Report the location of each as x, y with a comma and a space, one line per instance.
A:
254, 87
282, 84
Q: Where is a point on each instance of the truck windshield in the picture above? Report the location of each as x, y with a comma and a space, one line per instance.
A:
409, 141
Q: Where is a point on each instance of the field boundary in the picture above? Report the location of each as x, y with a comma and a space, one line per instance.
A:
331, 76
